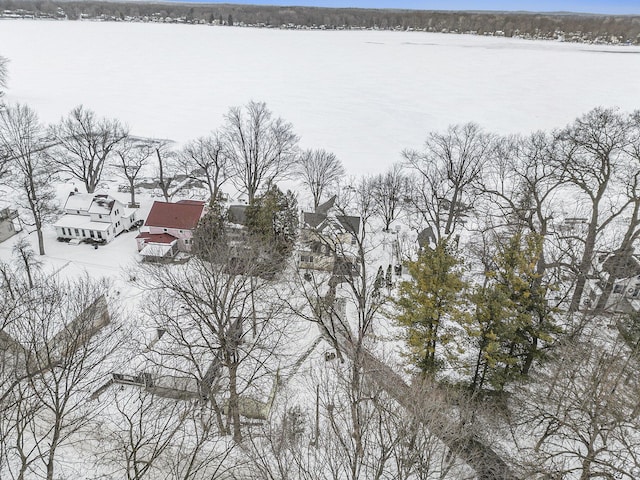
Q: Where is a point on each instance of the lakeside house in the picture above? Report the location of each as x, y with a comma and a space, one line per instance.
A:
94, 216
327, 238
169, 229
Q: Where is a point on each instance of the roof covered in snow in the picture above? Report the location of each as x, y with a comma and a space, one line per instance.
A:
155, 250
79, 201
102, 204
81, 221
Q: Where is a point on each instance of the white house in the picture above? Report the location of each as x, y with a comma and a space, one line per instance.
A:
94, 216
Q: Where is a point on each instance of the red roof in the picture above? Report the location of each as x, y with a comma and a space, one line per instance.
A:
157, 237
181, 215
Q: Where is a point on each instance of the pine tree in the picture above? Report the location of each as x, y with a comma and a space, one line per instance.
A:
433, 296
272, 221
209, 236
512, 321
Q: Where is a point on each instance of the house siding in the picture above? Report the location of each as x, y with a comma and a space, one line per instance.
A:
184, 236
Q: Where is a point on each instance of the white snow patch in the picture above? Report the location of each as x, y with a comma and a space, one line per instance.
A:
364, 95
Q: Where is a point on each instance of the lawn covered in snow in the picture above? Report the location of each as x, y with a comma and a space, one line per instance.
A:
364, 95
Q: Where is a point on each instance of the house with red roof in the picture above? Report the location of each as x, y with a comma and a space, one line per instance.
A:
169, 228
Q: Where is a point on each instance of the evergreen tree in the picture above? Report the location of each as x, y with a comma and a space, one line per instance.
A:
432, 296
512, 322
272, 221
210, 234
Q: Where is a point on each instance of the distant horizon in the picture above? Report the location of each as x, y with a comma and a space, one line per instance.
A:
619, 7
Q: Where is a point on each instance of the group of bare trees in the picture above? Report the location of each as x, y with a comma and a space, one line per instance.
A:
569, 201
537, 25
56, 337
252, 150
540, 224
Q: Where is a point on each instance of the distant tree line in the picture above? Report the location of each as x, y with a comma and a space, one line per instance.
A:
572, 26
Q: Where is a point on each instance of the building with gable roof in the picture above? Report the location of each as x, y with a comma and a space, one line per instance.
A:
326, 238
9, 223
169, 229
624, 296
94, 216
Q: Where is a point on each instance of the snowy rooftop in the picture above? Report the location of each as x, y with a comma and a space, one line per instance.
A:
79, 201
102, 204
155, 250
81, 221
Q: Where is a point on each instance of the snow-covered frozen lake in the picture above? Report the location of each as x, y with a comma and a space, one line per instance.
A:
364, 95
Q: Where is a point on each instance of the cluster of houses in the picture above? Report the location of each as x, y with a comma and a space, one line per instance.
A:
327, 237
326, 242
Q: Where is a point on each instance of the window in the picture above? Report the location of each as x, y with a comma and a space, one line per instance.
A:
99, 216
84, 234
618, 288
99, 234
77, 232
187, 241
91, 234
63, 231
306, 258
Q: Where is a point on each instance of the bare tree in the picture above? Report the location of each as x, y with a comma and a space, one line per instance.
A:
591, 150
199, 451
4, 73
64, 335
520, 191
27, 261
18, 405
449, 167
139, 431
224, 324
389, 191
319, 170
578, 418
132, 155
628, 173
85, 143
22, 143
205, 159
328, 296
167, 170
261, 149
67, 350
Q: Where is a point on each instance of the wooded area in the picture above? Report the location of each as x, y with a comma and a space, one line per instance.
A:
567, 26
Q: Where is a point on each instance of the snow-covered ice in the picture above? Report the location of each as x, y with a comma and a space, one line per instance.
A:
364, 95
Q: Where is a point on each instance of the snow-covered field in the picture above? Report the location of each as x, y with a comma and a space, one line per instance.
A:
364, 95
